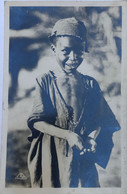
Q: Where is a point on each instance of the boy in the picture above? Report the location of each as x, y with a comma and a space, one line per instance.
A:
71, 123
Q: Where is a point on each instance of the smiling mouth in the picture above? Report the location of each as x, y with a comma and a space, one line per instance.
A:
72, 65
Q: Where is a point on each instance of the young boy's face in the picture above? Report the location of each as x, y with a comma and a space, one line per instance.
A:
69, 53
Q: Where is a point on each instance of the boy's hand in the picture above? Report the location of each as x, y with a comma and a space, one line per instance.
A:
75, 140
90, 146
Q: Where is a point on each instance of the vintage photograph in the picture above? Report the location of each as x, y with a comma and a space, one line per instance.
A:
64, 97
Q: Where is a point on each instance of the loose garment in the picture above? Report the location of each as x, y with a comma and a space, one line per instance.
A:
51, 161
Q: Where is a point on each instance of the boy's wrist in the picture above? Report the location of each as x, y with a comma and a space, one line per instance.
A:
68, 133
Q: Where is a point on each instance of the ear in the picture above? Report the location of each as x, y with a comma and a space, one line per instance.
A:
53, 48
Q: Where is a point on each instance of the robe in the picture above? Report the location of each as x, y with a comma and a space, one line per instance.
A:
51, 161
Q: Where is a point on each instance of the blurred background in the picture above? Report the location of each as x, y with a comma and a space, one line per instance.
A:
30, 55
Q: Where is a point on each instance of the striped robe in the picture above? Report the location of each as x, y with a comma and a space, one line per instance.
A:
51, 161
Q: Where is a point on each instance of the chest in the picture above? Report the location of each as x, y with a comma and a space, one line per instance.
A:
72, 91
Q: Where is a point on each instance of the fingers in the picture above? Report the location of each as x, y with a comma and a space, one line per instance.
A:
83, 151
93, 150
93, 147
75, 141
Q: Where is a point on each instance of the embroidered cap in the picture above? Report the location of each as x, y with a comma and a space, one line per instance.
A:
69, 27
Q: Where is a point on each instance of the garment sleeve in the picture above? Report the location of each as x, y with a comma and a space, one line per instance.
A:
109, 125
103, 117
42, 107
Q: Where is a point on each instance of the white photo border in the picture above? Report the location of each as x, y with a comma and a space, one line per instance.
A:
123, 188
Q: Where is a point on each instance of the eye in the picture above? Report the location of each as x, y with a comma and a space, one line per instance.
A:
66, 51
79, 51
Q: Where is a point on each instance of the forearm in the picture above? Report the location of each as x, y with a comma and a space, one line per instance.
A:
52, 130
72, 138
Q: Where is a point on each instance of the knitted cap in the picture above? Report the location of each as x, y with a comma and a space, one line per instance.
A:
69, 27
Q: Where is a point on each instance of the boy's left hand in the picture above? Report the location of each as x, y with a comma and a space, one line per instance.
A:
90, 146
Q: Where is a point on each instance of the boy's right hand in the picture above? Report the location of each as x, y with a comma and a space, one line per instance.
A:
75, 140
90, 146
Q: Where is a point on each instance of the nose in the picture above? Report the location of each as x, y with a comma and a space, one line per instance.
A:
72, 55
